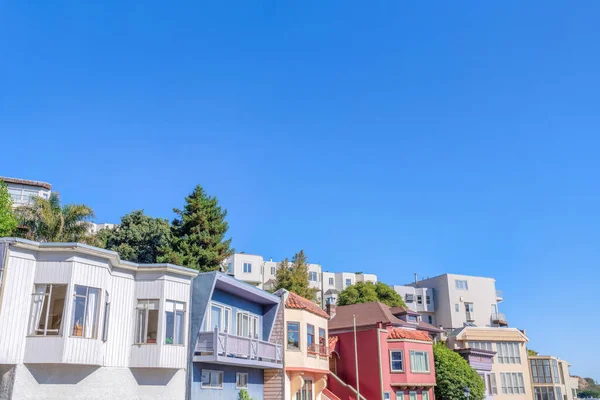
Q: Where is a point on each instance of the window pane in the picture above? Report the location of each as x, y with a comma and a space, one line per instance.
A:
152, 333
170, 325
293, 335
91, 313
78, 315
180, 324
215, 317
140, 327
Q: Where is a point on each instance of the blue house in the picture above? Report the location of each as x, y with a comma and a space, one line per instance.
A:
231, 338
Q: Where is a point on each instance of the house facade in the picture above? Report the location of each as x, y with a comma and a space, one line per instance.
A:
306, 348
388, 359
23, 191
455, 300
233, 339
78, 322
499, 355
550, 379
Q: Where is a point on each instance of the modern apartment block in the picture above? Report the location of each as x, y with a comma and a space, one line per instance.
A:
78, 322
254, 269
454, 301
23, 191
551, 379
499, 355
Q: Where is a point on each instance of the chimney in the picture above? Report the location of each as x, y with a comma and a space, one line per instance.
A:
330, 309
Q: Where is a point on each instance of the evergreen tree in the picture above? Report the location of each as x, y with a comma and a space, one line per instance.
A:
294, 277
139, 238
367, 292
199, 234
8, 221
453, 374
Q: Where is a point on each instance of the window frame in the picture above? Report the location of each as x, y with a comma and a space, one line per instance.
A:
211, 371
419, 299
176, 332
413, 354
273, 270
253, 324
402, 369
237, 376
310, 276
46, 300
413, 395
310, 337
493, 384
247, 267
146, 322
348, 282
423, 393
461, 284
225, 321
331, 281
387, 395
427, 299
85, 311
287, 335
106, 321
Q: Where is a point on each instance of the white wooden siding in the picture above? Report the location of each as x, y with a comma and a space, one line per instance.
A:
44, 349
14, 314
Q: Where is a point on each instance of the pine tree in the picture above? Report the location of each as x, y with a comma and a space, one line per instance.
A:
294, 277
199, 234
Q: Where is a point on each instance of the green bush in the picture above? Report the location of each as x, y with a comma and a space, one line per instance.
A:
453, 374
244, 395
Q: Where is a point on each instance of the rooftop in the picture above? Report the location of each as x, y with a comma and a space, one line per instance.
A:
28, 182
399, 333
367, 314
300, 303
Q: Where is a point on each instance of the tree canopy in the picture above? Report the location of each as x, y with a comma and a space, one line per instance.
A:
8, 221
199, 234
139, 238
46, 220
366, 292
294, 277
453, 374
531, 352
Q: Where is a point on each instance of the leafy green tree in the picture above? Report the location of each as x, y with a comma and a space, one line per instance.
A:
531, 352
139, 238
453, 374
46, 220
366, 292
589, 394
294, 277
8, 221
199, 234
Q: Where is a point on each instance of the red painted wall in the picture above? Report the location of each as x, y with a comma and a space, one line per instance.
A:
368, 362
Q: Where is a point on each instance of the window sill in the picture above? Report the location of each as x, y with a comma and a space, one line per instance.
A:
82, 337
422, 373
145, 344
45, 336
241, 387
298, 350
211, 388
174, 345
397, 372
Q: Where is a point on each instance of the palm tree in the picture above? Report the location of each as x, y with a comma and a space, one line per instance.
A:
45, 220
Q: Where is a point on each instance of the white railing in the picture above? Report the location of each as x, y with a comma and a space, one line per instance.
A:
499, 294
470, 316
498, 317
227, 345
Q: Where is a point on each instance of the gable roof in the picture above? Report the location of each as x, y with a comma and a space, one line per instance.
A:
399, 333
300, 303
403, 310
367, 314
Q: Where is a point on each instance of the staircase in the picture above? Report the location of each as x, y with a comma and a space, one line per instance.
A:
340, 390
327, 395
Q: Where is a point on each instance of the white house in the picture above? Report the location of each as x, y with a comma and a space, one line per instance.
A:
78, 322
22, 191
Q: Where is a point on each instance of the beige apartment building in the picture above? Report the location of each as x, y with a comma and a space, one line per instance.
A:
551, 379
500, 357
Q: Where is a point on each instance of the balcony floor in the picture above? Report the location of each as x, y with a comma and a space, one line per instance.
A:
246, 362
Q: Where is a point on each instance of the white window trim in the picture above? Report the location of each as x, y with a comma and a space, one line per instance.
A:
236, 380
59, 331
391, 364
412, 369
212, 371
411, 393
251, 316
175, 332
244, 268
145, 330
223, 307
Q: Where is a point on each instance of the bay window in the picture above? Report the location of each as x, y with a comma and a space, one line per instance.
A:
219, 317
84, 321
47, 309
175, 322
146, 323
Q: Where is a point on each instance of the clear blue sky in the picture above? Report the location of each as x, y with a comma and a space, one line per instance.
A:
390, 137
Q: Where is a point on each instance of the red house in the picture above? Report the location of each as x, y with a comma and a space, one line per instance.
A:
395, 357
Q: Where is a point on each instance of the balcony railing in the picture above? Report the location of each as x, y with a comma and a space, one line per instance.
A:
499, 318
320, 349
470, 316
499, 296
225, 347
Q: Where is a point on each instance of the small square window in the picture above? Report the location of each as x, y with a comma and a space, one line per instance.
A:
396, 361
348, 282
428, 299
247, 268
331, 281
419, 299
386, 396
456, 307
211, 379
430, 319
272, 270
241, 380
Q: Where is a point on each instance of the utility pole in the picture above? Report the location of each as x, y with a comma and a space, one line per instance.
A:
356, 358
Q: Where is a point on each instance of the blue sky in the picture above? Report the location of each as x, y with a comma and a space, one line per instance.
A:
392, 137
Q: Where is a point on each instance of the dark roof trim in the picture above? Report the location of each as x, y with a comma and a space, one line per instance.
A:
18, 181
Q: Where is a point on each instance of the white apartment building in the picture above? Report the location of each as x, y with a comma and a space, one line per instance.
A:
455, 300
78, 322
23, 191
254, 269
95, 228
